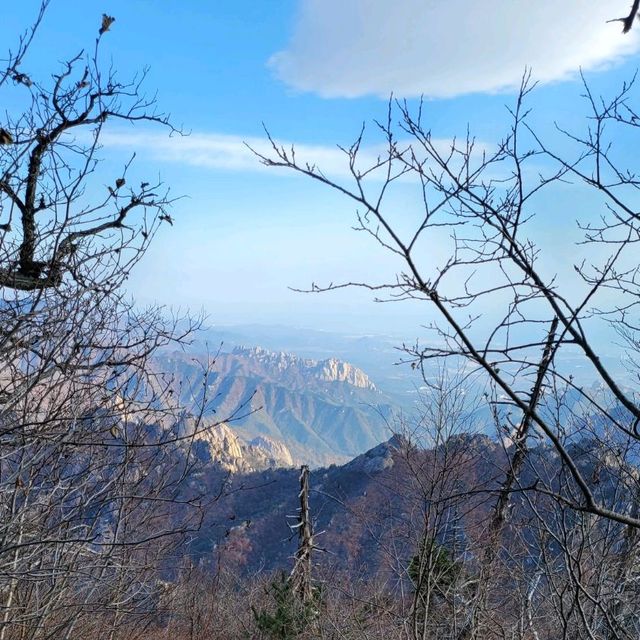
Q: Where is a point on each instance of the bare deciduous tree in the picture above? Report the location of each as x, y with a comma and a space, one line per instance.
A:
628, 20
95, 448
495, 291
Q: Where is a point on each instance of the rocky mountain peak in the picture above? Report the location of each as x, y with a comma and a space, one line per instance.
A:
333, 370
234, 454
325, 411
379, 458
329, 370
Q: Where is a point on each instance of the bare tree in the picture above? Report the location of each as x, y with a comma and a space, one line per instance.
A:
487, 199
95, 448
300, 577
628, 20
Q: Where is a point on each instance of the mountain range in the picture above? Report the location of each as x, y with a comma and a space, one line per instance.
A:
304, 411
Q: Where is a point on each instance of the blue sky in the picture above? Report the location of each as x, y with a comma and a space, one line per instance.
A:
313, 71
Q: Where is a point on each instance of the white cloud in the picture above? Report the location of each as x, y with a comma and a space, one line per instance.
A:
209, 150
444, 48
230, 152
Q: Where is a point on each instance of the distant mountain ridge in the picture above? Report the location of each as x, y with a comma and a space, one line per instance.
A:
301, 371
323, 411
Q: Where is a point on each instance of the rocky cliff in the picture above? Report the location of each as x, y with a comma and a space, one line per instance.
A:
239, 456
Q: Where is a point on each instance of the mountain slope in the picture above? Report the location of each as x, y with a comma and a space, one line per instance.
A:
370, 513
323, 411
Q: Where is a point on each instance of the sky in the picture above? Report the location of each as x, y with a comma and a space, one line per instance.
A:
311, 72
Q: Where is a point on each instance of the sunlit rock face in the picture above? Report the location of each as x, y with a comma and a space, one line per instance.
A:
234, 454
274, 451
333, 370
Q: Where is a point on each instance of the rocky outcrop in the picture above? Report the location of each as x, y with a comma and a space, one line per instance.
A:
379, 458
333, 370
224, 445
238, 456
275, 452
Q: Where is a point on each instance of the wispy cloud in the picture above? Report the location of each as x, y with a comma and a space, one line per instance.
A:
349, 48
235, 153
